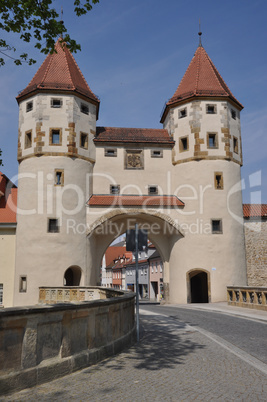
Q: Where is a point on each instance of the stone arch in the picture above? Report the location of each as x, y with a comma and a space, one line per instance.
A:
198, 286
72, 276
99, 236
134, 211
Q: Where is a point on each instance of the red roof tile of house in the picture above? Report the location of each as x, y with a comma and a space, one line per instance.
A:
8, 200
60, 72
144, 135
112, 253
135, 200
201, 79
254, 210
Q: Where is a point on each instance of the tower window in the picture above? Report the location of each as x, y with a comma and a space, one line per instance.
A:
212, 140
59, 177
29, 106
23, 284
28, 139
211, 109
53, 226
183, 144
152, 190
233, 114
55, 137
218, 180
182, 113
114, 189
216, 226
56, 103
84, 141
84, 108
156, 153
235, 145
110, 152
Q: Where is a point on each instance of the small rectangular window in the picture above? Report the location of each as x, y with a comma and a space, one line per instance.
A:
110, 152
29, 106
84, 141
56, 103
152, 190
84, 108
28, 139
216, 226
114, 189
233, 114
211, 109
1, 294
183, 144
55, 136
235, 145
53, 226
182, 113
212, 140
23, 284
156, 153
59, 177
218, 180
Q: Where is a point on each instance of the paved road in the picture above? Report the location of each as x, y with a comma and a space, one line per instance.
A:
247, 334
173, 362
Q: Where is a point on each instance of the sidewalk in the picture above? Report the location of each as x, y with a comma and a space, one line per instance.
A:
173, 362
223, 307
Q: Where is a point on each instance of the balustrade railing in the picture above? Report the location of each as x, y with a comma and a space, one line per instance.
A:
247, 296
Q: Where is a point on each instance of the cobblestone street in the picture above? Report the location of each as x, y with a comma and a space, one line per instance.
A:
172, 362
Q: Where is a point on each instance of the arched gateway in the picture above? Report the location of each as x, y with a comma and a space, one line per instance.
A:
180, 182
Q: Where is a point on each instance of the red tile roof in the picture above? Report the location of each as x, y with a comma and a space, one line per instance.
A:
8, 200
144, 135
254, 210
201, 79
60, 72
135, 200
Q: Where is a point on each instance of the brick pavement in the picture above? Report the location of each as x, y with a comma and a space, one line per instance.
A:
173, 362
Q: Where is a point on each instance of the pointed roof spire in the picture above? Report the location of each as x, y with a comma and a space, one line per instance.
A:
59, 72
199, 33
201, 79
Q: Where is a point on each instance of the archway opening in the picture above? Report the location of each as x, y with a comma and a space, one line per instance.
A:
199, 287
72, 276
119, 269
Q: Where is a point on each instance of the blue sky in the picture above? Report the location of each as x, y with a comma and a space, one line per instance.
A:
134, 54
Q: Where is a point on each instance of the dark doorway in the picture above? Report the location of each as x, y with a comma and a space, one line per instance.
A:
72, 276
199, 288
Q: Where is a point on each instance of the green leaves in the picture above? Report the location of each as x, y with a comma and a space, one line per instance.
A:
36, 21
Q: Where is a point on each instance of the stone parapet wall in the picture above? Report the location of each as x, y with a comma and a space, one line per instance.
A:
41, 343
75, 294
247, 296
256, 252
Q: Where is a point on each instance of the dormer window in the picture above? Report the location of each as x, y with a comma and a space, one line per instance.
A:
29, 106
84, 108
182, 113
56, 103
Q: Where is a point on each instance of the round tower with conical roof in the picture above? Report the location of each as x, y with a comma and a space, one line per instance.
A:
56, 153
203, 117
